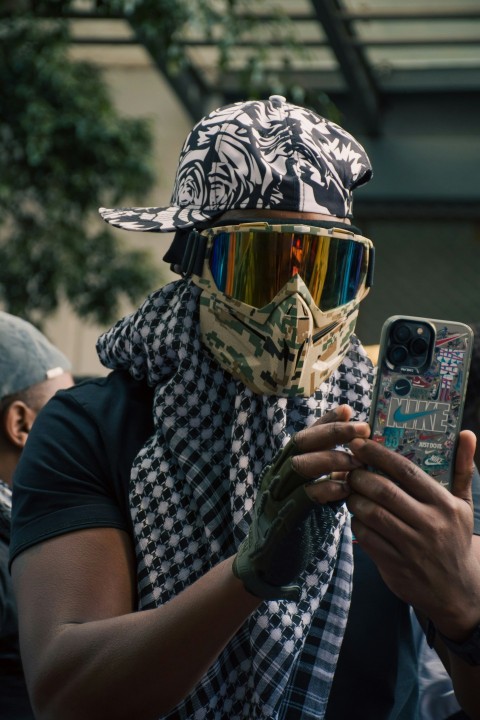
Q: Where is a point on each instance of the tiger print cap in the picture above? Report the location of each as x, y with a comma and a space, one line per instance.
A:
257, 154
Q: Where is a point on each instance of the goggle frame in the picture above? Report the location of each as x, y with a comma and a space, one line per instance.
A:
200, 243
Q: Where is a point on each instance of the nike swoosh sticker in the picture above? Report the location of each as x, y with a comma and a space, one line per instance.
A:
435, 461
401, 417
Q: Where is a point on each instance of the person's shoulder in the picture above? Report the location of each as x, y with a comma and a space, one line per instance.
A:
115, 381
115, 406
114, 390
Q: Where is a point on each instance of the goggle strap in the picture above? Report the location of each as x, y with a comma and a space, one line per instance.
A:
371, 267
327, 224
194, 255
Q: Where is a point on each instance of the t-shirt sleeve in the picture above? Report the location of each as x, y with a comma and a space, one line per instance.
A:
66, 479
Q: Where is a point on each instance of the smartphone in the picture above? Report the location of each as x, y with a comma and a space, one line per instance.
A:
419, 391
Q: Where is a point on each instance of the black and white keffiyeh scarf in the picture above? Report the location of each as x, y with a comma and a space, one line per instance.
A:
192, 489
5, 510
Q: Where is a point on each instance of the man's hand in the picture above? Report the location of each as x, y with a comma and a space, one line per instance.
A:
285, 533
419, 534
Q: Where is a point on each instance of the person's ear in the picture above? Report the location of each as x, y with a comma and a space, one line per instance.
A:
18, 420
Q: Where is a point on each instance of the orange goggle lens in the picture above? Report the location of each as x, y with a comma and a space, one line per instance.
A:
252, 265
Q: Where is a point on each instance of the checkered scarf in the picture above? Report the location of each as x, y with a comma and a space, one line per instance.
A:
192, 489
5, 510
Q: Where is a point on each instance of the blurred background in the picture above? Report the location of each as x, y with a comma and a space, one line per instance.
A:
97, 97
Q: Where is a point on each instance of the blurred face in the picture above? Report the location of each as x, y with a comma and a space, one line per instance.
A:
44, 391
17, 415
62, 382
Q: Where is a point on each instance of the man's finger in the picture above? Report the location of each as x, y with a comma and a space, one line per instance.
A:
314, 464
341, 413
464, 466
323, 436
396, 467
332, 488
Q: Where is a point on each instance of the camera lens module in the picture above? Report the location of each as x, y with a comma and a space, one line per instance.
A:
397, 354
418, 346
401, 333
410, 344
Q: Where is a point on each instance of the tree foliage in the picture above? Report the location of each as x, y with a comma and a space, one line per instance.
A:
64, 151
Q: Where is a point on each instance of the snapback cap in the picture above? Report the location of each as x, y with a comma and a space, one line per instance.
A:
26, 356
257, 154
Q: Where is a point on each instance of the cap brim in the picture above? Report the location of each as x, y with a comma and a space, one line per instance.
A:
156, 219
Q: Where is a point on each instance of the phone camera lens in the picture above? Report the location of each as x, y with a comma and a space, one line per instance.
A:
419, 346
401, 333
397, 354
417, 361
409, 345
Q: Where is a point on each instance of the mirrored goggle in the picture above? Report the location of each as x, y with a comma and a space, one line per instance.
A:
253, 264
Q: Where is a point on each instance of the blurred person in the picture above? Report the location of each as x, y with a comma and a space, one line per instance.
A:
437, 697
31, 372
185, 521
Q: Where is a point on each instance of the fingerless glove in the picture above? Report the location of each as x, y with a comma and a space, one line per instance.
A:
287, 528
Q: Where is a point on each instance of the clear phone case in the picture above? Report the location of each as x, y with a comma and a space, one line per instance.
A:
420, 391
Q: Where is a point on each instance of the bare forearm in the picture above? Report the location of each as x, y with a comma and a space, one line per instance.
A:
141, 664
457, 623
465, 677
466, 684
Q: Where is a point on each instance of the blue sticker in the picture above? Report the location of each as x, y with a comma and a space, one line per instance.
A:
392, 437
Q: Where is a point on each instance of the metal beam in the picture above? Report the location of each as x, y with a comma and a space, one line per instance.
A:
357, 42
453, 13
186, 83
352, 63
313, 44
396, 82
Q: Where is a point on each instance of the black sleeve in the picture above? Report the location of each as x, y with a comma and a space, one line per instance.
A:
74, 470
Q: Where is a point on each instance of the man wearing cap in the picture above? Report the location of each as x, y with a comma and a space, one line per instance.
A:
185, 516
31, 372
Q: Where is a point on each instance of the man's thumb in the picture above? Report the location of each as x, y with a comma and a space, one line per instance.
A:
464, 465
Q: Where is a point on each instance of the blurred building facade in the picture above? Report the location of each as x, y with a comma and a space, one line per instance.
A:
407, 84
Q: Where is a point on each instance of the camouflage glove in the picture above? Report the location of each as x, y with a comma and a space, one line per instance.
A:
284, 533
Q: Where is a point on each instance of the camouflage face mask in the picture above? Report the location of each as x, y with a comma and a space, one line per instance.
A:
279, 302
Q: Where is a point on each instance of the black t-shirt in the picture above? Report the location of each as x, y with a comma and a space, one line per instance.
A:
14, 702
74, 474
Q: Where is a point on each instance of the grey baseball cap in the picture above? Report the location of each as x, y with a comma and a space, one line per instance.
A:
26, 356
